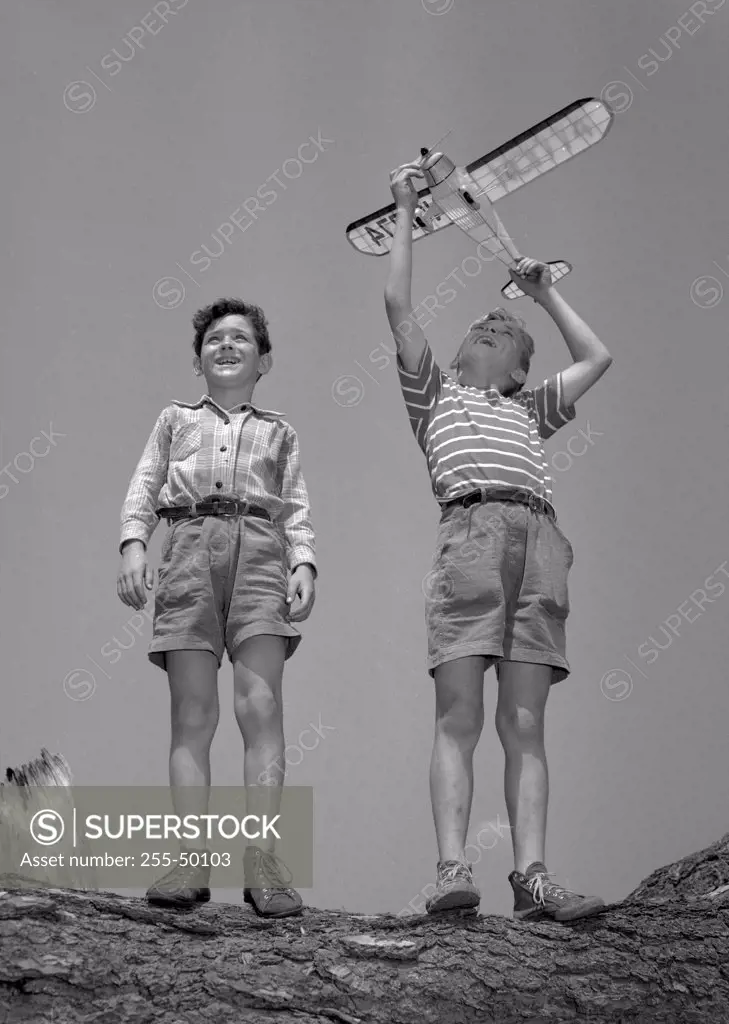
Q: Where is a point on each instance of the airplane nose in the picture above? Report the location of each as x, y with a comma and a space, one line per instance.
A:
437, 168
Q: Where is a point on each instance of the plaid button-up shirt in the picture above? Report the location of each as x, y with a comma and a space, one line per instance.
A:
199, 449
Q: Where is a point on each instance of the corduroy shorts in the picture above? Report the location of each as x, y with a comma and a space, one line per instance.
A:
498, 587
221, 581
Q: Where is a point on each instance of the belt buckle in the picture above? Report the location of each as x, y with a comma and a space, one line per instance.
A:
226, 507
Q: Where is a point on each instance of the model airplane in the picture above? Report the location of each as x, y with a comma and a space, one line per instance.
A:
452, 194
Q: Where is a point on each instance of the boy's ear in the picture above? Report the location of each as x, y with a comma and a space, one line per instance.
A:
197, 366
265, 363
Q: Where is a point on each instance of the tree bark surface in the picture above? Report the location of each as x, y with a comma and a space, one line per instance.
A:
662, 954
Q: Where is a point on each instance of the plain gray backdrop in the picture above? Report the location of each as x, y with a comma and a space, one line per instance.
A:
117, 173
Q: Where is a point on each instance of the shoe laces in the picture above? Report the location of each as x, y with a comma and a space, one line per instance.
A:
274, 870
539, 883
182, 875
451, 869
185, 871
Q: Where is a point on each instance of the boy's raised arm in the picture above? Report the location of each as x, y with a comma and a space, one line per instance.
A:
591, 357
410, 339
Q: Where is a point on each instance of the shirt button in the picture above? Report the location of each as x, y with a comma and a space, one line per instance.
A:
223, 447
218, 484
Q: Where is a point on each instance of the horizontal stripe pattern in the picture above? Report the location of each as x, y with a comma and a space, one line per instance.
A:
475, 438
253, 453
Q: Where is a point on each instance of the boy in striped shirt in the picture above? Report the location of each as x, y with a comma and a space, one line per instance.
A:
497, 591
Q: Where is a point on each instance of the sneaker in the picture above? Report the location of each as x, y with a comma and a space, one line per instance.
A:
454, 890
266, 887
184, 887
535, 896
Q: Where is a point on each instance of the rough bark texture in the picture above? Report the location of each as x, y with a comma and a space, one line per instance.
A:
67, 956
660, 955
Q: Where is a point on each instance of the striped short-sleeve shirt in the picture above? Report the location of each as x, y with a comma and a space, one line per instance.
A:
474, 438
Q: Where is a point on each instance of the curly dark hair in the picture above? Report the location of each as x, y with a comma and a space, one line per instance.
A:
205, 317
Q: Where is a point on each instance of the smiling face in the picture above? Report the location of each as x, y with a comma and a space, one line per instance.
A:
229, 355
492, 354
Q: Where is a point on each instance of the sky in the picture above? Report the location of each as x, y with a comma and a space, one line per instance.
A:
117, 172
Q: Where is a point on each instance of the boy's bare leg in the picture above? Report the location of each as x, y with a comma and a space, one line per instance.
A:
458, 724
523, 692
258, 666
193, 679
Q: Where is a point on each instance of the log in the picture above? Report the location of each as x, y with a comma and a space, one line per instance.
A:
661, 954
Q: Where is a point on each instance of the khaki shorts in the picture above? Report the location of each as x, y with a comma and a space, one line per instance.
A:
498, 587
221, 580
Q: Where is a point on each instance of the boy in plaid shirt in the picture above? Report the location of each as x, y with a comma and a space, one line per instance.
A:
238, 554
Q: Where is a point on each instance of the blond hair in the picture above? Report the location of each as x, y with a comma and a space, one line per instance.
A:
521, 335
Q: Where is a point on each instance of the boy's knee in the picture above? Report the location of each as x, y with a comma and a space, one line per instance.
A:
518, 724
258, 709
462, 724
195, 717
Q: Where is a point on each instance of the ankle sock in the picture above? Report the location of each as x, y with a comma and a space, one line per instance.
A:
535, 867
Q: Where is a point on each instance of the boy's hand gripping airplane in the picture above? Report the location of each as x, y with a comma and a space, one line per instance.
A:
453, 193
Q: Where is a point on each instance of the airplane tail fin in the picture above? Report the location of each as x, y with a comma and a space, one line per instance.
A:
559, 268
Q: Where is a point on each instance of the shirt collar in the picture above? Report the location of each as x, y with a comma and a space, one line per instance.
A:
207, 400
478, 391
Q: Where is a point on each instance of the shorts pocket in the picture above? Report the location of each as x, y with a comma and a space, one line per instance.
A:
446, 529
565, 541
186, 441
167, 545
440, 543
555, 558
438, 584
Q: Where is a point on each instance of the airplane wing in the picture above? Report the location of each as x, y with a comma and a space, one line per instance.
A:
373, 234
541, 148
548, 144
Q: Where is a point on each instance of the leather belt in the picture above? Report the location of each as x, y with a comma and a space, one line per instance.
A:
212, 507
514, 494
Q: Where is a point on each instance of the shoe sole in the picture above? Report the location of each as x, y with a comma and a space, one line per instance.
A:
456, 901
262, 913
591, 908
533, 914
176, 903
